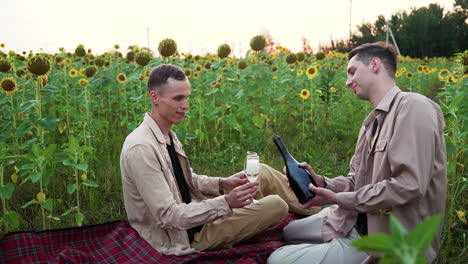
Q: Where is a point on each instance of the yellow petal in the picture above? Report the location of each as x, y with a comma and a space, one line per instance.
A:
461, 216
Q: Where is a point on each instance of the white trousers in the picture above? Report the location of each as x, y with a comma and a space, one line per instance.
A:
308, 246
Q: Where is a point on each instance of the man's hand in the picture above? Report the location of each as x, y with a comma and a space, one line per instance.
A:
241, 195
322, 197
320, 181
233, 181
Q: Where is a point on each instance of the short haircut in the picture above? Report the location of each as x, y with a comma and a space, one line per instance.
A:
159, 76
384, 51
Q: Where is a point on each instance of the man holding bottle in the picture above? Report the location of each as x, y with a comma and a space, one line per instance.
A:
399, 168
177, 211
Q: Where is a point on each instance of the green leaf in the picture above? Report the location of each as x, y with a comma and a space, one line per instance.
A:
421, 236
33, 201
378, 242
7, 190
258, 121
11, 218
35, 150
48, 123
69, 162
48, 204
67, 212
79, 219
231, 120
35, 176
71, 188
26, 106
82, 166
397, 229
90, 183
22, 129
388, 260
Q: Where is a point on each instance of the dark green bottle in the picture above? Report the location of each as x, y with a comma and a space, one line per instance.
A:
299, 178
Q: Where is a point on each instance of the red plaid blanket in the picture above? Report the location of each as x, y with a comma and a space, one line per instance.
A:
117, 242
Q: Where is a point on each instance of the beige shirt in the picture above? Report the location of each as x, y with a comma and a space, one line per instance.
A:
152, 199
402, 173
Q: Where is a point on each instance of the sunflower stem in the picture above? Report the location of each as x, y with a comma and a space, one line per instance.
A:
3, 199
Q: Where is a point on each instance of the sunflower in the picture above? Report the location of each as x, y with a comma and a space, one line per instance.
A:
312, 71
188, 72
196, 75
305, 94
73, 73
167, 47
409, 75
2, 45
83, 82
420, 69
402, 69
122, 78
5, 66
332, 89
299, 73
258, 43
198, 68
8, 85
224, 50
38, 65
442, 74
116, 46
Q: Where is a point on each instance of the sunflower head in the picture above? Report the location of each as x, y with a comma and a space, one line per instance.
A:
167, 47
80, 51
258, 43
20, 72
116, 46
332, 89
38, 65
300, 56
197, 57
121, 78
8, 85
305, 94
320, 55
83, 82
130, 56
58, 60
143, 58
312, 71
409, 75
73, 73
188, 72
207, 65
224, 50
90, 71
99, 62
242, 65
291, 58
5, 66
2, 45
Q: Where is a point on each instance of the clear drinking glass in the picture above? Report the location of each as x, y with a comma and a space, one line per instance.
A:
252, 165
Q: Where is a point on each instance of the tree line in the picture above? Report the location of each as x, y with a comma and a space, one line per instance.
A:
423, 32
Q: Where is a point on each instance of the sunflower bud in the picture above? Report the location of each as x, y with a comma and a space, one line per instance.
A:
242, 65
167, 47
90, 71
38, 65
258, 43
40, 197
5, 66
291, 58
224, 50
142, 58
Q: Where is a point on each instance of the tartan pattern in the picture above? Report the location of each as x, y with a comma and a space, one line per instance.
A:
117, 242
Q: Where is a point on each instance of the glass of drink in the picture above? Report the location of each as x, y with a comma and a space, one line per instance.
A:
252, 165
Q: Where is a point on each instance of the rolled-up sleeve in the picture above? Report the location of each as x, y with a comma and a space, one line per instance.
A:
410, 156
147, 174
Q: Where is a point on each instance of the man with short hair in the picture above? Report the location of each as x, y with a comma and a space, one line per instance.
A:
177, 211
399, 168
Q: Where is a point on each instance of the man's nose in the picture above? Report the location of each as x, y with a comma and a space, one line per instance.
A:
348, 83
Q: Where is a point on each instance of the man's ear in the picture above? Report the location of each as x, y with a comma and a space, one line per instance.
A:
154, 96
376, 64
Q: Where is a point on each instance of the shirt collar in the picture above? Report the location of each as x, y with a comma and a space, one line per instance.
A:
148, 120
385, 103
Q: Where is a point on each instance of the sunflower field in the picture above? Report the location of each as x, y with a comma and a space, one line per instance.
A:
65, 116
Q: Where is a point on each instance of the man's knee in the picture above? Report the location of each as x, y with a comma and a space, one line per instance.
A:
277, 207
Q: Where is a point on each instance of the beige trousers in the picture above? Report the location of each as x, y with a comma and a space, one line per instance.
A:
274, 199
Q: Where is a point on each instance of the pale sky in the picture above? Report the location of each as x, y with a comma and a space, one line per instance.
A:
197, 26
